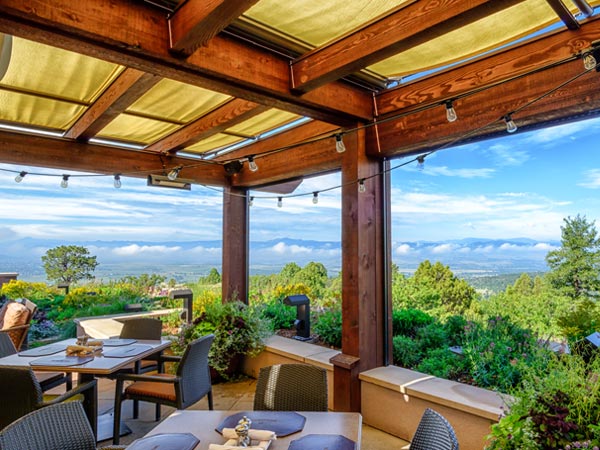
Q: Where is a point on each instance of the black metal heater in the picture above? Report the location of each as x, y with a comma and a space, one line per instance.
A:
302, 322
188, 300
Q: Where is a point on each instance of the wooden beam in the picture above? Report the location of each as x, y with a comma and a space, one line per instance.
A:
301, 133
71, 155
197, 21
513, 62
135, 35
129, 86
236, 247
428, 130
414, 23
565, 15
228, 115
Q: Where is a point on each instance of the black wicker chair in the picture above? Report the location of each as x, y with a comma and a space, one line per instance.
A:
47, 380
190, 384
63, 426
21, 394
434, 433
291, 387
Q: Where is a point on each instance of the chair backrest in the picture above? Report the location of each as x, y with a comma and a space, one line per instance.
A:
434, 433
145, 328
15, 317
20, 393
63, 426
194, 371
291, 387
7, 347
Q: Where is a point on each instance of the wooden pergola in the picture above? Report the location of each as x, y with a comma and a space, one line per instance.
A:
539, 80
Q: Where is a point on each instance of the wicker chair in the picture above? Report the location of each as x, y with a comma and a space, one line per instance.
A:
190, 384
47, 380
15, 319
21, 394
434, 433
291, 387
58, 427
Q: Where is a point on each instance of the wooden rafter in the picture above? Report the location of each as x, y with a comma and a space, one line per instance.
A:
136, 35
129, 86
565, 15
198, 21
415, 23
228, 115
65, 154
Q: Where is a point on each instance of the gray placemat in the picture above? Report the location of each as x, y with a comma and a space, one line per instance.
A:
45, 350
322, 441
282, 423
117, 342
61, 361
126, 351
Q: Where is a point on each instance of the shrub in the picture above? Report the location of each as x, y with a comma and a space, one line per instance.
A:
441, 362
406, 322
280, 314
406, 351
36, 292
432, 336
328, 325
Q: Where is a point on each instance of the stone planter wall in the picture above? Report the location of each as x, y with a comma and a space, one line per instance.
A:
393, 399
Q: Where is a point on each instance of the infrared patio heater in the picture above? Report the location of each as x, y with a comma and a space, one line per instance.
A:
302, 322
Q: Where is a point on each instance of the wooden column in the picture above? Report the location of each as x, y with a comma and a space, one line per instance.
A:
366, 314
235, 245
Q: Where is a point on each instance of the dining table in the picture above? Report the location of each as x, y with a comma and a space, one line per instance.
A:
298, 430
115, 354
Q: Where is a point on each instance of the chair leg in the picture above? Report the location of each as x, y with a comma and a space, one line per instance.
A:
157, 413
136, 408
210, 400
117, 412
69, 381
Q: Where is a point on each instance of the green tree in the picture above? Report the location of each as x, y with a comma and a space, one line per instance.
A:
213, 277
69, 264
288, 273
314, 275
575, 267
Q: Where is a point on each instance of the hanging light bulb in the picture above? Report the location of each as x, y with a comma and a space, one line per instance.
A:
174, 173
279, 202
20, 177
315, 198
117, 181
511, 126
339, 143
450, 112
251, 164
361, 186
65, 182
589, 61
251, 202
420, 162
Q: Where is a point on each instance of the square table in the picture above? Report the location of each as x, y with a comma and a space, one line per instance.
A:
202, 424
99, 365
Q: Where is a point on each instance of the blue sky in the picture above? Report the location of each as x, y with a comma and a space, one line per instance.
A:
516, 186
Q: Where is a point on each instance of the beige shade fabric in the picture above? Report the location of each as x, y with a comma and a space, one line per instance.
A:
126, 127
214, 142
5, 53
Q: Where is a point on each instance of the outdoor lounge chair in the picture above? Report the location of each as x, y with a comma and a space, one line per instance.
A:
63, 426
47, 380
291, 387
434, 433
15, 319
21, 393
190, 384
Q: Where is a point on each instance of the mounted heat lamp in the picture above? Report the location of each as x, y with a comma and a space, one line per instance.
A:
302, 322
188, 301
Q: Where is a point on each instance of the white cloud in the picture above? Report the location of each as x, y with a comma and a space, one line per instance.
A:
443, 248
282, 248
542, 246
403, 249
591, 179
553, 134
135, 250
460, 173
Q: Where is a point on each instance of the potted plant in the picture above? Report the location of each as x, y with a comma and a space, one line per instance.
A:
238, 330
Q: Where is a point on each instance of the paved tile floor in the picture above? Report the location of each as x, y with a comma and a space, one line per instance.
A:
238, 395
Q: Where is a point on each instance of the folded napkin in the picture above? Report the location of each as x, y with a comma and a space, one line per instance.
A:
262, 446
255, 435
80, 350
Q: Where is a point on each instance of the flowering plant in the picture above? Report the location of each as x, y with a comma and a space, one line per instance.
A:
238, 330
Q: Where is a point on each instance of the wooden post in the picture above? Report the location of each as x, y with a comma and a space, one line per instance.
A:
365, 311
234, 279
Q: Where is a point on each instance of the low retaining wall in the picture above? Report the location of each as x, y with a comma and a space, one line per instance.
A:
106, 327
394, 399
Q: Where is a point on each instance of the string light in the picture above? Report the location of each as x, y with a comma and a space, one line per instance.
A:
252, 164
340, 147
117, 182
421, 162
20, 176
65, 182
450, 112
511, 126
589, 61
174, 173
315, 199
279, 202
251, 202
361, 186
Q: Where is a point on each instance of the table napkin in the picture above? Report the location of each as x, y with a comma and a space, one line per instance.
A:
255, 435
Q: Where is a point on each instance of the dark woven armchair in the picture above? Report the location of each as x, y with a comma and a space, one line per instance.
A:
434, 433
291, 387
15, 320
21, 394
189, 385
63, 426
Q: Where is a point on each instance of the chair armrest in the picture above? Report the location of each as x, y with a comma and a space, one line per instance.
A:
169, 358
154, 378
112, 447
79, 389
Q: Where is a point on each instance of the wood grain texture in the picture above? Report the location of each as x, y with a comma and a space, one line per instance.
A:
236, 232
